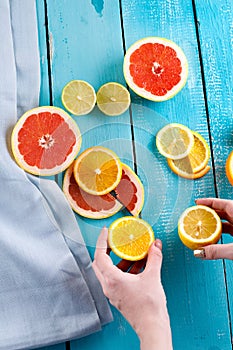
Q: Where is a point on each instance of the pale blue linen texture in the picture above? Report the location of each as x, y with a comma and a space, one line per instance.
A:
48, 290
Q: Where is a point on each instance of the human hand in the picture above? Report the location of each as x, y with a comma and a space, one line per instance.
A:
139, 297
224, 208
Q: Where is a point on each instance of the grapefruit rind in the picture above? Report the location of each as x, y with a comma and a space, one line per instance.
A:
34, 169
101, 214
80, 182
142, 92
193, 243
187, 148
131, 243
140, 190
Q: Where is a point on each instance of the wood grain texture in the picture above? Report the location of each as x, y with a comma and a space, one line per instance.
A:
215, 29
197, 288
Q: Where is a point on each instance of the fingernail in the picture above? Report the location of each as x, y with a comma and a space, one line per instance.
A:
199, 253
157, 243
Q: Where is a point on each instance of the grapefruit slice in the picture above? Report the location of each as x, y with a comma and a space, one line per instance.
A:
130, 191
155, 68
45, 141
85, 204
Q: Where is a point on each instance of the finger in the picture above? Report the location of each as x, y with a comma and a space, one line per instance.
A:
227, 228
124, 265
214, 203
98, 274
137, 267
154, 259
218, 251
102, 260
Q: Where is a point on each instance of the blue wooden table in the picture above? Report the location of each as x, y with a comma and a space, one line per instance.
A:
87, 39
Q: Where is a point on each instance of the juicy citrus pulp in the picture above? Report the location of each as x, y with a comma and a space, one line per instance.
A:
130, 191
113, 99
97, 170
229, 168
194, 165
78, 97
85, 204
130, 238
174, 141
155, 68
199, 226
45, 141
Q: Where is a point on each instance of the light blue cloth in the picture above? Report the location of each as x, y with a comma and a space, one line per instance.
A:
48, 290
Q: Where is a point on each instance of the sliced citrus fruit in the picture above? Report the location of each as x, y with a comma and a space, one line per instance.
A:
130, 238
130, 191
85, 204
45, 141
97, 170
78, 97
199, 226
194, 165
113, 99
174, 141
155, 68
229, 168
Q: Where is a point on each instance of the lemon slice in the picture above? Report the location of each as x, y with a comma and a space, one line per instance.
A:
199, 226
78, 97
194, 165
130, 238
97, 170
174, 141
113, 99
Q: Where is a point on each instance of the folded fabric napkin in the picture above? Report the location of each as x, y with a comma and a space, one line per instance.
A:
48, 290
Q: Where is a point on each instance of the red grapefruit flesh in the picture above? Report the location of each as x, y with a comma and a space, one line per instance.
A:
130, 191
45, 141
85, 204
155, 68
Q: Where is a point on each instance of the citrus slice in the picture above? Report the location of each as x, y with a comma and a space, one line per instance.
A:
78, 97
97, 170
155, 68
113, 99
199, 226
130, 238
229, 168
174, 141
45, 141
194, 165
130, 191
85, 204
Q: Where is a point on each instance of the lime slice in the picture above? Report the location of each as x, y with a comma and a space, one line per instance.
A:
78, 97
174, 141
113, 99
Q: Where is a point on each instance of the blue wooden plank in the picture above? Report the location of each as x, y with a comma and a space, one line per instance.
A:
215, 30
197, 287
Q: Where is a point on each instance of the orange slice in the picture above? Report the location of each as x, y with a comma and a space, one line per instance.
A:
97, 170
130, 238
199, 226
194, 165
229, 168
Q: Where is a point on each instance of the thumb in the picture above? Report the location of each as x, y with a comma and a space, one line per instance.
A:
154, 259
215, 251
